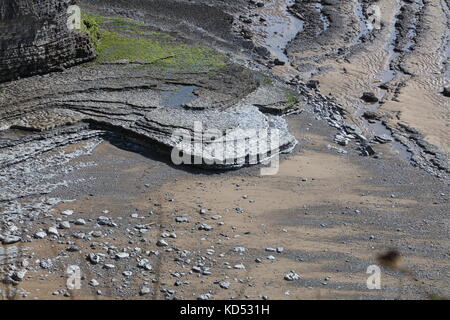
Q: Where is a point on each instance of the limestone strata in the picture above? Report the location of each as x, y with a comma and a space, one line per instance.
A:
34, 38
141, 106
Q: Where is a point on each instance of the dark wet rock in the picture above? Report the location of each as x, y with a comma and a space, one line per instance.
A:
367, 150
162, 243
247, 20
313, 84
371, 115
352, 129
105, 221
73, 249
408, 129
446, 92
278, 62
208, 21
19, 275
80, 222
369, 97
422, 153
246, 34
384, 138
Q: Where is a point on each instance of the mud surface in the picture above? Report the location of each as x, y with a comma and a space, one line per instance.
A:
86, 178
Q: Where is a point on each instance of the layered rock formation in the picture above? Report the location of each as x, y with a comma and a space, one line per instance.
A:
35, 39
142, 101
151, 110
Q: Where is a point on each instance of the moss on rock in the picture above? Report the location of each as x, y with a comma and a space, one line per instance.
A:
124, 39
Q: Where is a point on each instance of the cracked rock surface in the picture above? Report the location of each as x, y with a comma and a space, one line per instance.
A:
110, 98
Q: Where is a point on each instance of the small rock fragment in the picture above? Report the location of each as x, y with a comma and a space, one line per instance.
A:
40, 235
53, 231
144, 291
162, 243
67, 212
122, 255
206, 296
291, 276
94, 283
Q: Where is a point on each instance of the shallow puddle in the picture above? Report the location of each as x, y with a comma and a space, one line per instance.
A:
280, 28
180, 97
379, 129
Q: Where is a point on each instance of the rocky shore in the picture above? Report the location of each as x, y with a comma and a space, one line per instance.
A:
358, 106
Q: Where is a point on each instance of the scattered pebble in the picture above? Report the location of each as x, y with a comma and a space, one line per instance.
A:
291, 276
67, 213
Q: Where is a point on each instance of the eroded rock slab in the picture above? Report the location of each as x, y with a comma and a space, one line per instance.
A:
144, 106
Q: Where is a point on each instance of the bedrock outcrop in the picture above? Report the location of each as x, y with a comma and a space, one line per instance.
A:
35, 39
149, 108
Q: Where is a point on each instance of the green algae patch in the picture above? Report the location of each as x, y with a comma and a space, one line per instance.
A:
123, 39
292, 100
91, 26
